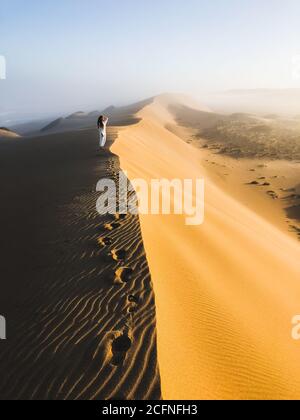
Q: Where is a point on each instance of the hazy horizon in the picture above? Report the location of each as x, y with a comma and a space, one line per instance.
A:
72, 55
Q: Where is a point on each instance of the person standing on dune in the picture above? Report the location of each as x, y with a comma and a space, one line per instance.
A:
102, 123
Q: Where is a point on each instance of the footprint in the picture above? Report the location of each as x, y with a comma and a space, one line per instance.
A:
124, 274
295, 229
273, 194
119, 254
112, 226
133, 299
120, 348
253, 183
104, 241
132, 309
119, 216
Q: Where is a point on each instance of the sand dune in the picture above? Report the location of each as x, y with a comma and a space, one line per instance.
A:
226, 291
79, 287
76, 287
243, 149
8, 134
76, 115
243, 135
118, 116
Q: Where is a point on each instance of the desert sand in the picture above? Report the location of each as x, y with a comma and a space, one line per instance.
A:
5, 133
146, 307
226, 291
75, 286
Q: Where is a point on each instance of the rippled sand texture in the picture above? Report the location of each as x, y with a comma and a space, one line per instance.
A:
75, 286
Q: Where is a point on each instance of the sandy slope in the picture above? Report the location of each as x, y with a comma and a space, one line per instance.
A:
79, 326
226, 291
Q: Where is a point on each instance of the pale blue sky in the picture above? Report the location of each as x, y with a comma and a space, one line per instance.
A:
70, 54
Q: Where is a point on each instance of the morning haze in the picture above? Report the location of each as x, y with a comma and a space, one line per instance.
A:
150, 241
90, 55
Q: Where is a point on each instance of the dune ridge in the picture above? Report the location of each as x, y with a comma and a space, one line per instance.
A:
225, 291
77, 292
8, 134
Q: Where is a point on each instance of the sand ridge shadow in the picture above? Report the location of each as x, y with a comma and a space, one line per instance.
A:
68, 301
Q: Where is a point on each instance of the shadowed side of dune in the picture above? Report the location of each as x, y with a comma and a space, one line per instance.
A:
76, 289
292, 199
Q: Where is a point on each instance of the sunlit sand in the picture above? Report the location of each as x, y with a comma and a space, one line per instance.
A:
226, 291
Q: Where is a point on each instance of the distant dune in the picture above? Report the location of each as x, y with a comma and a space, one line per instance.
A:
94, 114
82, 120
243, 135
53, 125
72, 122
7, 133
76, 115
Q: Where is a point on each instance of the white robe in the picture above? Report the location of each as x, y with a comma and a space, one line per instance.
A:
102, 134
